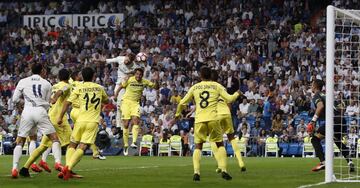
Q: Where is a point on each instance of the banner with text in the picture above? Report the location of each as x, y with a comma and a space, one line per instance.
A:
97, 20
48, 20
75, 20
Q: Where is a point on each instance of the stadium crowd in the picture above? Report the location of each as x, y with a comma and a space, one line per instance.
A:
269, 47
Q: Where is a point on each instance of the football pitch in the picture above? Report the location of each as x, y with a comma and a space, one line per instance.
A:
119, 171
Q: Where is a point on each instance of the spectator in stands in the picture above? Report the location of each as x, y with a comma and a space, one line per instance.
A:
301, 135
175, 98
243, 109
252, 108
300, 125
277, 125
267, 112
261, 140
148, 108
243, 124
352, 109
291, 132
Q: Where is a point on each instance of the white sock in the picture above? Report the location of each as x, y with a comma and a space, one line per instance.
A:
56, 148
16, 156
32, 146
46, 154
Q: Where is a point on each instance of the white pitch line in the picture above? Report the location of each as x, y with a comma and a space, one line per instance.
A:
312, 185
123, 168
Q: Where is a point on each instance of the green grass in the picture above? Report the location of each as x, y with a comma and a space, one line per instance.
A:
171, 172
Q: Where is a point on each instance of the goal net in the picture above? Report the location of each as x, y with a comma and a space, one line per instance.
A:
342, 89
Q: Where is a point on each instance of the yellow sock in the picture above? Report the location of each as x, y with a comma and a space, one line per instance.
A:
69, 152
214, 149
34, 155
135, 133
75, 158
222, 158
94, 150
237, 153
196, 161
126, 137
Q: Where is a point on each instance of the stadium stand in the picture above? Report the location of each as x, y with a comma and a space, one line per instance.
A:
273, 48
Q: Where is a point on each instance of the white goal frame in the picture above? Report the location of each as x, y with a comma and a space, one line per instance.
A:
330, 61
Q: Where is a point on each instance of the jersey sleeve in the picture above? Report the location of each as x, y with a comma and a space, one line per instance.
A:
18, 92
119, 59
48, 92
149, 83
73, 96
226, 96
184, 100
317, 99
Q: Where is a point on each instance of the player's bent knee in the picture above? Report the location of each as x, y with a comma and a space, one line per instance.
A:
83, 146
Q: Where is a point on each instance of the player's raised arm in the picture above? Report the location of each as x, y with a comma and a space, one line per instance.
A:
229, 98
183, 101
118, 59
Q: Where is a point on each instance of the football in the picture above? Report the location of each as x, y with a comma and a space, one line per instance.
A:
141, 57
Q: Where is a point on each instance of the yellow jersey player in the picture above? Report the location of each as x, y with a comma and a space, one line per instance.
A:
90, 96
60, 92
130, 107
206, 95
226, 123
75, 81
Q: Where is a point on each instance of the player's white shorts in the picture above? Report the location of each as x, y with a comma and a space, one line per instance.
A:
33, 118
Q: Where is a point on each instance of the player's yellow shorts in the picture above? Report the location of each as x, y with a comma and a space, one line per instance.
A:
205, 129
63, 132
129, 108
74, 114
84, 132
226, 123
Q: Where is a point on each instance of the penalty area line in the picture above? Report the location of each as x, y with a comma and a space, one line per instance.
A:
121, 168
312, 185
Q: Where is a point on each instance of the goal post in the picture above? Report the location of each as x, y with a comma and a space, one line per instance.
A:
330, 59
342, 61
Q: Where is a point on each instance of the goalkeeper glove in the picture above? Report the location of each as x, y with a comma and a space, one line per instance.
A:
310, 127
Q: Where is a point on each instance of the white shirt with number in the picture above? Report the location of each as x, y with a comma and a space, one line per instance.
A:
36, 92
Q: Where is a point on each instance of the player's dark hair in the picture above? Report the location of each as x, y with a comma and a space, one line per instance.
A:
139, 69
205, 73
64, 75
74, 75
36, 68
319, 84
87, 74
214, 75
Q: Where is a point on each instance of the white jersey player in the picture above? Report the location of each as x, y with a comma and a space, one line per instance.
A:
36, 92
126, 67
